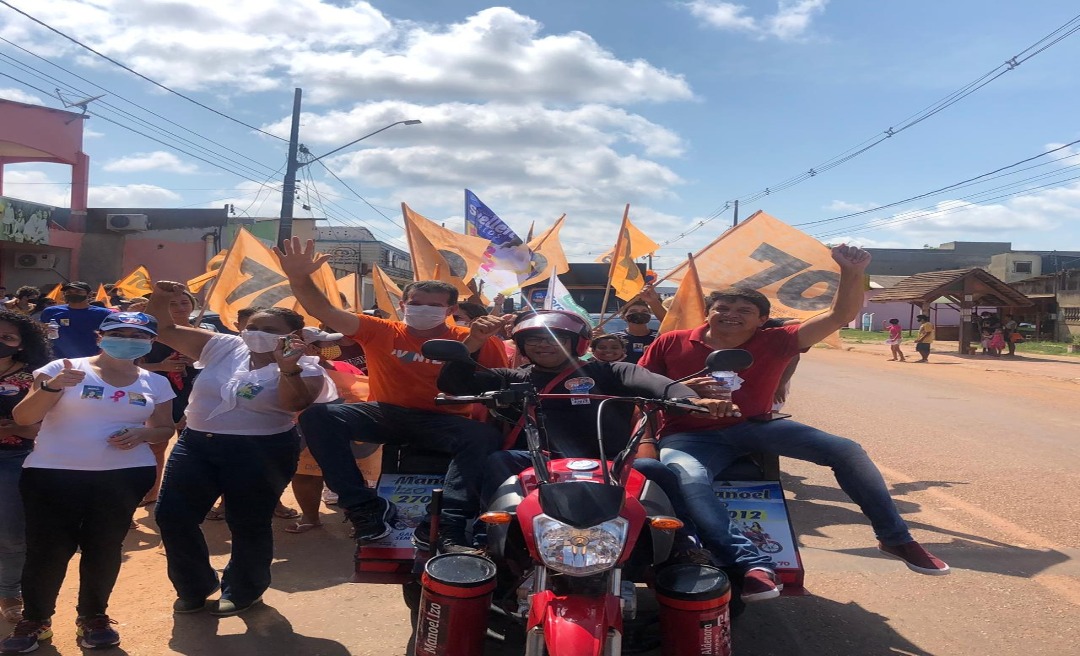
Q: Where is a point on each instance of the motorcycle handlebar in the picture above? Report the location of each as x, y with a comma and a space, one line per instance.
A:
443, 399
487, 398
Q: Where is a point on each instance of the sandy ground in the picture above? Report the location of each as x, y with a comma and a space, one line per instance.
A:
982, 459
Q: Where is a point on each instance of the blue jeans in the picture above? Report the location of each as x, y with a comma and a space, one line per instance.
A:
330, 429
698, 457
12, 526
249, 472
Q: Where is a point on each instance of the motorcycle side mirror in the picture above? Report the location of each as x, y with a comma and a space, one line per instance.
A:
729, 360
445, 350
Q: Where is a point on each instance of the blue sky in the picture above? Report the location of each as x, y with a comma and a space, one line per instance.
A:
544, 108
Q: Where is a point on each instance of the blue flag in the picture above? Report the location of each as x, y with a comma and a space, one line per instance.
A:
480, 221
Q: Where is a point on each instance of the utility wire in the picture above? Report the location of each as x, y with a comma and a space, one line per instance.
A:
357, 194
137, 73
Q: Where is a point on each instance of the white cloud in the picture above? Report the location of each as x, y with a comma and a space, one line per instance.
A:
39, 186
847, 207
158, 160
790, 22
18, 95
90, 133
133, 195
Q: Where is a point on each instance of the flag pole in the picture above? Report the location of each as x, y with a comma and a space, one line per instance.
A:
611, 267
409, 239
214, 282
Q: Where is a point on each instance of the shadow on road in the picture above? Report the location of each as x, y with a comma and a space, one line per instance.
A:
268, 632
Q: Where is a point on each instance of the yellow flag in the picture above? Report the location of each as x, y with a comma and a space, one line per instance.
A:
196, 284
387, 294
441, 254
251, 277
101, 295
625, 277
688, 308
349, 286
795, 271
136, 283
547, 254
55, 294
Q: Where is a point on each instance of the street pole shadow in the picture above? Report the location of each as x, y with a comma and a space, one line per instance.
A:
268, 633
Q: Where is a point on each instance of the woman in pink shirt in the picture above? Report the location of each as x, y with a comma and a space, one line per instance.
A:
894, 340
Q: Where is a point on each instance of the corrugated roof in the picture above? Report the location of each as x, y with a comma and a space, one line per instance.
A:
926, 287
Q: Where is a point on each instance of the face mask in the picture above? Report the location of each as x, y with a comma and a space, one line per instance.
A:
75, 298
8, 350
330, 352
638, 317
260, 342
424, 317
125, 348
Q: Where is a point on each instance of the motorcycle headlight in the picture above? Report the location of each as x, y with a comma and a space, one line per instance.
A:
580, 551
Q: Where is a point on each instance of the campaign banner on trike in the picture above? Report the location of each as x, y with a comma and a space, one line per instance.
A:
758, 511
382, 560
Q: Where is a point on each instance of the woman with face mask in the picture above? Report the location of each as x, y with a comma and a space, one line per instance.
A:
90, 466
240, 442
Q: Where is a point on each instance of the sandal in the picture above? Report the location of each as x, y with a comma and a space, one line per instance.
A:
216, 515
286, 513
302, 528
11, 609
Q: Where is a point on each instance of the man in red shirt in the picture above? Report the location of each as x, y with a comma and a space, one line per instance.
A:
401, 408
697, 449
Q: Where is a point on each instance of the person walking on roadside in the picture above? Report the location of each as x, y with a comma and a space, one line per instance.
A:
240, 443
895, 337
90, 466
23, 348
1010, 332
77, 322
925, 338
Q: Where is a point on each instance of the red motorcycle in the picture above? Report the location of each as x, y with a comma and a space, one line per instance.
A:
569, 537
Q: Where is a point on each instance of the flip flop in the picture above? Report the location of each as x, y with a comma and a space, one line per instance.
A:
287, 513
301, 528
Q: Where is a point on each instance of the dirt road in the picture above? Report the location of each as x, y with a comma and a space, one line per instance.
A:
984, 465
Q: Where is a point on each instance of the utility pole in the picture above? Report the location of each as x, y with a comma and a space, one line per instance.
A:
734, 222
288, 191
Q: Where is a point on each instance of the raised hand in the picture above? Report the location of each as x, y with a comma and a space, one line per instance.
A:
851, 258
297, 261
69, 377
484, 327
170, 289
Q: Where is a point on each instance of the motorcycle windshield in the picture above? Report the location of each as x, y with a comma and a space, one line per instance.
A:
581, 504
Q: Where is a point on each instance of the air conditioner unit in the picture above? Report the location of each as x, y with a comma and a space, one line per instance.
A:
126, 222
35, 260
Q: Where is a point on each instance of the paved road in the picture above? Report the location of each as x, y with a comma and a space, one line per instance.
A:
984, 465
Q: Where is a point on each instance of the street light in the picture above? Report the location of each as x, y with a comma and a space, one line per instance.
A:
288, 191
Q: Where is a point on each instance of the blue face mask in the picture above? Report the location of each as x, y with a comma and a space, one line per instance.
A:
125, 348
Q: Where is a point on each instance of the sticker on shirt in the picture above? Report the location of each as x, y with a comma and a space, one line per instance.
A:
95, 392
249, 390
580, 386
638, 347
9, 390
135, 398
65, 322
117, 395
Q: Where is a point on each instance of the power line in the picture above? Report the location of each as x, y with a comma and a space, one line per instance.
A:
357, 194
1066, 30
137, 73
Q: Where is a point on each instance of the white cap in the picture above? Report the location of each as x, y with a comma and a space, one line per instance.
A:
312, 335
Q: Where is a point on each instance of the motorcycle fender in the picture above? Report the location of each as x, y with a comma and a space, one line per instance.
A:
574, 625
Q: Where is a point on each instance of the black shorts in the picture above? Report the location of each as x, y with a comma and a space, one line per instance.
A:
923, 349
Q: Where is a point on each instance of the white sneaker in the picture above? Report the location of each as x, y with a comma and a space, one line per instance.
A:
328, 497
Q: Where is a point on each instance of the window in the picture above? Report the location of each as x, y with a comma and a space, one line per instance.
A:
1021, 267
1070, 314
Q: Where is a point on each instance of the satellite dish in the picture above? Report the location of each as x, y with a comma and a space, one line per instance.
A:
82, 103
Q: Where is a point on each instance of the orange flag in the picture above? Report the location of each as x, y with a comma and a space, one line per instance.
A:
795, 271
101, 295
387, 294
55, 294
196, 284
625, 276
688, 308
548, 257
250, 276
441, 254
136, 283
350, 287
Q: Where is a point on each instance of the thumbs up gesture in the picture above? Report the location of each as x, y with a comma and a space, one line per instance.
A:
69, 377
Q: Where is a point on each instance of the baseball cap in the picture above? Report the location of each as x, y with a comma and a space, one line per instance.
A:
312, 335
138, 320
76, 284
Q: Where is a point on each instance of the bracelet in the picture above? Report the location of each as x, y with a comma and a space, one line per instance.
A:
45, 386
652, 442
290, 374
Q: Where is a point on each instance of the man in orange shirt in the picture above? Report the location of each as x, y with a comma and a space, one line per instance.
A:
401, 408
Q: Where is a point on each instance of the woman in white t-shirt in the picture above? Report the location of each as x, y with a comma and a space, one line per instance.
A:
240, 443
90, 467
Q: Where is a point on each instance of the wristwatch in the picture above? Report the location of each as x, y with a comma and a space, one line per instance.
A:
45, 386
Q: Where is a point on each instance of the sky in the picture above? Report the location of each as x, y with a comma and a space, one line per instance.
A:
553, 107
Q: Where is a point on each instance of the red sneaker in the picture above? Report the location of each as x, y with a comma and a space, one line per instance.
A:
916, 557
760, 584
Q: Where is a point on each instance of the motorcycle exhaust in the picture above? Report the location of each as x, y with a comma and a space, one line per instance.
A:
452, 619
694, 615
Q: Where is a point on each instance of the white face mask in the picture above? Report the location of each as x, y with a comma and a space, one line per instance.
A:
260, 342
424, 317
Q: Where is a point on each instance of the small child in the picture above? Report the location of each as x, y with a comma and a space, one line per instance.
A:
986, 337
608, 348
894, 341
997, 343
